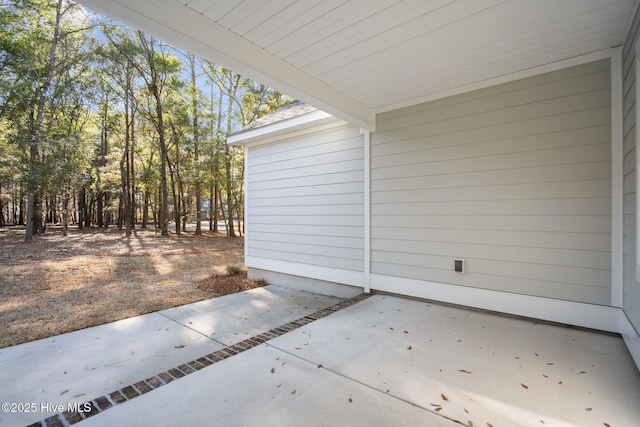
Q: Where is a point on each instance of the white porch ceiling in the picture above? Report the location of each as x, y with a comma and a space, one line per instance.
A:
355, 58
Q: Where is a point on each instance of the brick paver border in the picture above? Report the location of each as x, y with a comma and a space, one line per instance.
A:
102, 403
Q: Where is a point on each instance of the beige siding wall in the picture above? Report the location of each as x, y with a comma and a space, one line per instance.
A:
631, 286
306, 200
515, 179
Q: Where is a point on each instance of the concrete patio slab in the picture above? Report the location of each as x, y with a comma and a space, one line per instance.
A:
386, 360
393, 361
474, 367
82, 365
77, 366
236, 317
266, 387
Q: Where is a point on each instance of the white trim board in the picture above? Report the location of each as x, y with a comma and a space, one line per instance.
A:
304, 129
617, 185
367, 209
631, 338
567, 312
246, 200
327, 274
637, 165
304, 121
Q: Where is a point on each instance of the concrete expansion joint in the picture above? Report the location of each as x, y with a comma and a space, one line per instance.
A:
102, 403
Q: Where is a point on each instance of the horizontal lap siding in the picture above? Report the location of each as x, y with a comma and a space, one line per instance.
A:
515, 179
305, 203
631, 286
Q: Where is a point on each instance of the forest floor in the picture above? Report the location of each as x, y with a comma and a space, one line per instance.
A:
61, 284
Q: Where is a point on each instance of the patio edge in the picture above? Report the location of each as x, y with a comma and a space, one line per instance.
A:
107, 401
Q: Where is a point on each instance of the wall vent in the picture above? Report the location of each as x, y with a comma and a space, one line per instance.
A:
458, 265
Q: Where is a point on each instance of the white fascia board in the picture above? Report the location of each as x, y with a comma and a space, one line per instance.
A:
293, 133
181, 26
277, 129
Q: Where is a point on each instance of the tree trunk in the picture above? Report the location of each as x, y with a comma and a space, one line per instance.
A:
227, 164
120, 212
196, 136
2, 222
211, 208
174, 175
155, 90
107, 216
176, 202
100, 211
222, 212
216, 205
145, 208
35, 133
184, 204
65, 215
131, 173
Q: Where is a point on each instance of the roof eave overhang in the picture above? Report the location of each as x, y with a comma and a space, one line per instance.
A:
185, 28
310, 122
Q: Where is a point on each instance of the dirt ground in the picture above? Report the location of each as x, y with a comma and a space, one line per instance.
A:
60, 284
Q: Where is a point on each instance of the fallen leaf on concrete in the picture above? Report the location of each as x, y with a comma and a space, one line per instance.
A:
350, 400
273, 370
293, 391
409, 348
180, 346
64, 391
464, 371
524, 386
444, 397
588, 409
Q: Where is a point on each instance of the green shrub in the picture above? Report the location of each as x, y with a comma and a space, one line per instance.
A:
234, 270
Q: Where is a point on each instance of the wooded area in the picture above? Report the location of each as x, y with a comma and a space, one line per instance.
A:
102, 125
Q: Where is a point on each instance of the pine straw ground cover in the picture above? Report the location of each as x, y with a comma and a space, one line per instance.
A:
60, 284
